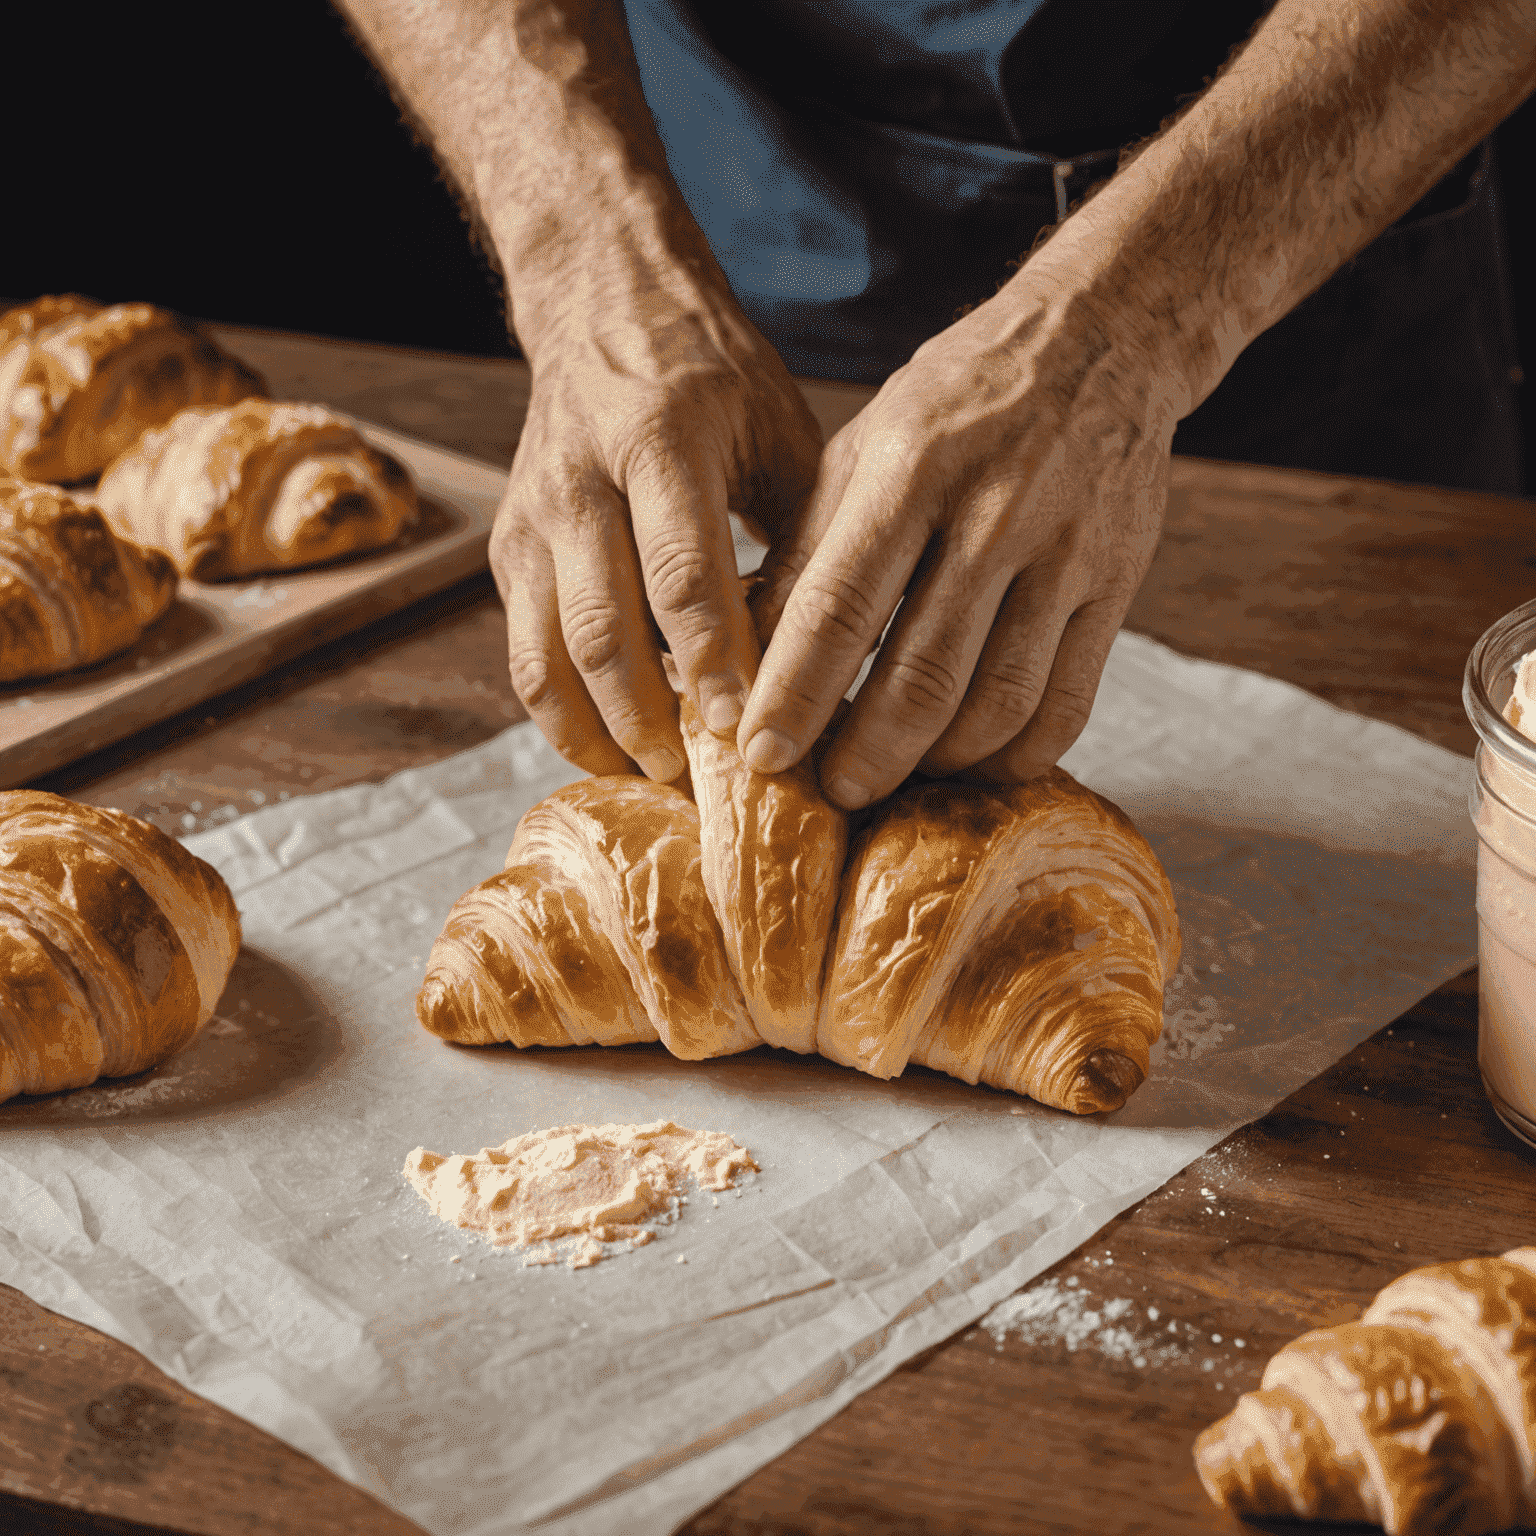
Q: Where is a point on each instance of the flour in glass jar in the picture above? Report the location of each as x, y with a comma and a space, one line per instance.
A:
1506, 912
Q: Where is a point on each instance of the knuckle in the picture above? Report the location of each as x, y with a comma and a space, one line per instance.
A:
924, 685
594, 633
790, 701
679, 578
510, 529
532, 678
1008, 692
1066, 707
836, 610
896, 449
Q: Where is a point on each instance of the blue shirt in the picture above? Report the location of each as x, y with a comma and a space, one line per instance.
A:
866, 169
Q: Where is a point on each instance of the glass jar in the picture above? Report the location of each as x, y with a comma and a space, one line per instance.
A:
1503, 803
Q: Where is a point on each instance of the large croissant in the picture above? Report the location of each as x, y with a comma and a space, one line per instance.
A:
259, 486
79, 381
1420, 1418
1020, 937
71, 592
115, 943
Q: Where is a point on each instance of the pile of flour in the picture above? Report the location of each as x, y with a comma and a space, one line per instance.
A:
594, 1184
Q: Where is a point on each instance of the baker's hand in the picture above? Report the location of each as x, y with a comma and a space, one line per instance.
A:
647, 421
1006, 488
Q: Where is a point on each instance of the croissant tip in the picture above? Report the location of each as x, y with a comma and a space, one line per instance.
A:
1104, 1082
434, 1008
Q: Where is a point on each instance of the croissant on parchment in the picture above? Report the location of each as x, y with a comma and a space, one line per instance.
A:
1018, 937
71, 592
115, 943
262, 485
1420, 1418
80, 381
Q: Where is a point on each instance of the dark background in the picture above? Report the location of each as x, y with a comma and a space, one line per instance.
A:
245, 163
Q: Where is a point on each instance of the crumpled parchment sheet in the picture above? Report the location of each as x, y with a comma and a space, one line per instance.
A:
239, 1215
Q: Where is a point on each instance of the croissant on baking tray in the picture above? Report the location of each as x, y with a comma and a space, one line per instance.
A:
115, 943
1420, 1418
1020, 937
71, 592
80, 381
261, 485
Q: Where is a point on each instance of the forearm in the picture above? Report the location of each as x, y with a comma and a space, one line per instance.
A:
1330, 124
534, 107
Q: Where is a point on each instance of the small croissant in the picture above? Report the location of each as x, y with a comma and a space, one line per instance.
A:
1420, 1418
1018, 937
71, 592
115, 943
80, 381
258, 486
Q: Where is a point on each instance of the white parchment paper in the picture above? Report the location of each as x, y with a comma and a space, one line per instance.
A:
239, 1216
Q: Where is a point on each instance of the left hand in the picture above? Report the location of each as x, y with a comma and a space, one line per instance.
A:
1006, 488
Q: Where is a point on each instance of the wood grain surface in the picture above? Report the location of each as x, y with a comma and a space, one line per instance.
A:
1367, 594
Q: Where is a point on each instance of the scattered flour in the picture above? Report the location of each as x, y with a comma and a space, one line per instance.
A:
1056, 1313
1193, 1020
569, 1191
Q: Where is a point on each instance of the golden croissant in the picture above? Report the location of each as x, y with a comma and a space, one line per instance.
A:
80, 381
71, 592
262, 485
1020, 937
115, 943
1420, 1418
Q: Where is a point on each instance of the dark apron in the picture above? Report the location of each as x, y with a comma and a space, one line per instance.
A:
849, 241
1402, 366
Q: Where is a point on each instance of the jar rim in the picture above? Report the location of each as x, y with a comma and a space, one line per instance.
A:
1487, 720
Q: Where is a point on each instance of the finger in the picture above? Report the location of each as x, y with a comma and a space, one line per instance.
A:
789, 554
677, 505
543, 675
606, 624
920, 673
1010, 677
835, 613
1067, 701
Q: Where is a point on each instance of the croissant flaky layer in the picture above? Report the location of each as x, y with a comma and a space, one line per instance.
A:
1016, 936
1420, 1418
773, 849
261, 485
1020, 937
71, 592
81, 381
599, 930
115, 943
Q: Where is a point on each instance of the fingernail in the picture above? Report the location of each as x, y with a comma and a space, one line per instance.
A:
769, 751
723, 710
847, 793
663, 764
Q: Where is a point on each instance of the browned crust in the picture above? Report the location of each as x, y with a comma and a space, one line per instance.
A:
115, 942
1421, 1417
209, 489
93, 379
71, 592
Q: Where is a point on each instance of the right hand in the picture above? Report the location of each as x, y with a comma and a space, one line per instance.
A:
647, 422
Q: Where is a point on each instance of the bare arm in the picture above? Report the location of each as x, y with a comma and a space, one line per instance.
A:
1011, 479
656, 405
1333, 122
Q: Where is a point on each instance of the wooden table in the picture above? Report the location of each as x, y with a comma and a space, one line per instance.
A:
1368, 594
